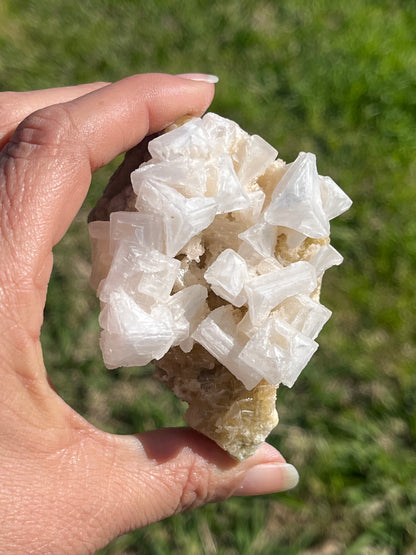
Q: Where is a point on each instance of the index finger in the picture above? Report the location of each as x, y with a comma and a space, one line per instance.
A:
16, 106
133, 108
47, 163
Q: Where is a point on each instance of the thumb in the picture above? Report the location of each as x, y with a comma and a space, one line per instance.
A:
164, 472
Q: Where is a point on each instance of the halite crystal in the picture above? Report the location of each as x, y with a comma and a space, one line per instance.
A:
218, 334
214, 271
296, 202
267, 291
227, 276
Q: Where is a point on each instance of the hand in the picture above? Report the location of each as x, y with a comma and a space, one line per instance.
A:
66, 486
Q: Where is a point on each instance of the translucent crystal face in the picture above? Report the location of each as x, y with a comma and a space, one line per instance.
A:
226, 250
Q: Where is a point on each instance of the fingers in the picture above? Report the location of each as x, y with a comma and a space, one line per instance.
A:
116, 118
168, 471
16, 106
49, 159
45, 170
90, 487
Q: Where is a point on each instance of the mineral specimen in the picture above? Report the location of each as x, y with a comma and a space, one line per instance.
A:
209, 264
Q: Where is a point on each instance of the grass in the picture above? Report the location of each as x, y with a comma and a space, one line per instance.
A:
338, 79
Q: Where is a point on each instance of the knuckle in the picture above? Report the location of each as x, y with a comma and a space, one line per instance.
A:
44, 127
196, 491
47, 129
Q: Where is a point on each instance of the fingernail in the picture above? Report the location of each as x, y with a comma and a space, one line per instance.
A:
268, 478
199, 77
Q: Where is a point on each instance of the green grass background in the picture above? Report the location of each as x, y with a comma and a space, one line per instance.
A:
335, 78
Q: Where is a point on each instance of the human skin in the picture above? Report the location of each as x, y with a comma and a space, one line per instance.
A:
67, 487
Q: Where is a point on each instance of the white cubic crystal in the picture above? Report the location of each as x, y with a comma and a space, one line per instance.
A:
262, 237
131, 336
254, 156
217, 334
265, 292
188, 308
298, 204
183, 218
251, 214
325, 257
304, 314
279, 351
334, 200
121, 350
224, 134
227, 276
145, 274
188, 176
188, 141
145, 229
229, 192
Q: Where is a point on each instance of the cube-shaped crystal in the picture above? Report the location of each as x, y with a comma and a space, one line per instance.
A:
265, 292
183, 218
279, 351
298, 204
227, 276
334, 200
140, 272
145, 229
188, 176
217, 334
325, 257
188, 141
262, 237
304, 314
254, 156
132, 336
188, 308
222, 179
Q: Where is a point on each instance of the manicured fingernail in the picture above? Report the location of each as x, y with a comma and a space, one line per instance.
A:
199, 77
268, 478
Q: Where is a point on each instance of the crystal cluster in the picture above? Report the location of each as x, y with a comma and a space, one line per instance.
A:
212, 270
